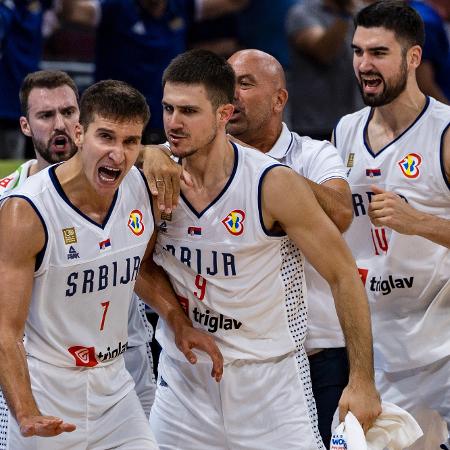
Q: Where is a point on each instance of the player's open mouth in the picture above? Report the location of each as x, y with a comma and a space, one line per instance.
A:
60, 143
371, 82
108, 174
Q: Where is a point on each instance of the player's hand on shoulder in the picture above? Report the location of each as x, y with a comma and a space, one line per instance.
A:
363, 400
187, 338
163, 175
45, 426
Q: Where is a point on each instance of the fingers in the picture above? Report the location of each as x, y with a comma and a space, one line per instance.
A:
376, 189
186, 177
45, 426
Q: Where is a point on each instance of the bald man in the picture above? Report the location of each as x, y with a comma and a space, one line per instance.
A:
260, 99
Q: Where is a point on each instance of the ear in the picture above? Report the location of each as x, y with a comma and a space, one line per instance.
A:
79, 135
224, 112
280, 99
414, 56
25, 126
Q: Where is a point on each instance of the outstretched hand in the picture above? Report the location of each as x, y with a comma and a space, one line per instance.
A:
187, 338
45, 426
163, 175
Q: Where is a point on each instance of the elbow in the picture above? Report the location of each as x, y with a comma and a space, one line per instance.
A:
343, 219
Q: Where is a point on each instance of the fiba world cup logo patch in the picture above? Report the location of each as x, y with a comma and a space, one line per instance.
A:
410, 165
234, 222
135, 223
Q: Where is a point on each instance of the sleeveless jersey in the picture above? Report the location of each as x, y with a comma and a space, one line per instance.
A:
319, 162
17, 178
85, 274
234, 279
406, 277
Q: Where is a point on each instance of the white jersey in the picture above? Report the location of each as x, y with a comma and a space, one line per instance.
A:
17, 178
406, 277
318, 161
234, 279
86, 272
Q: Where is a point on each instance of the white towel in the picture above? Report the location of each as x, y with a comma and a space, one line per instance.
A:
393, 429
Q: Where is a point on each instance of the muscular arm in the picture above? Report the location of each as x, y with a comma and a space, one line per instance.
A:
21, 238
389, 210
320, 241
335, 198
154, 288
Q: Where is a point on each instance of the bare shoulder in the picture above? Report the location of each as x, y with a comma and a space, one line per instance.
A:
22, 232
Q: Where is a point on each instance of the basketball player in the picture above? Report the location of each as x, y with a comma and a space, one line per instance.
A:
397, 152
50, 115
230, 262
72, 239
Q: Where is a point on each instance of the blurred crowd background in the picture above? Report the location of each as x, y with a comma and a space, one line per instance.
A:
134, 40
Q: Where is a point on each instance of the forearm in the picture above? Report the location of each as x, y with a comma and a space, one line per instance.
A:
15, 379
337, 205
433, 228
154, 288
354, 316
81, 12
209, 9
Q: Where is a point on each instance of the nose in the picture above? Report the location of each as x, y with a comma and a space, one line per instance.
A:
364, 62
174, 120
117, 154
60, 124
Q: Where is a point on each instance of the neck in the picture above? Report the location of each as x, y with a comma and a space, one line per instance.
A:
264, 138
81, 194
400, 113
211, 165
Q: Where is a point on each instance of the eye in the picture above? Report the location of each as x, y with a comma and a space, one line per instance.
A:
168, 108
357, 51
68, 112
106, 136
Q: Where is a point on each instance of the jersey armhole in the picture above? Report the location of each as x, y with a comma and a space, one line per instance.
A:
41, 253
261, 219
441, 151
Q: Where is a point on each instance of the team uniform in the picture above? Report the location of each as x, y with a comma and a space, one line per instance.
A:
245, 286
319, 162
406, 277
138, 358
75, 332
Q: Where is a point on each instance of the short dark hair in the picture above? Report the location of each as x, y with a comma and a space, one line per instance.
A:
114, 100
203, 67
48, 79
396, 16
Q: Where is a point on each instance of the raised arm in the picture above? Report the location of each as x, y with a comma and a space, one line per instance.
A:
21, 238
81, 12
154, 288
314, 233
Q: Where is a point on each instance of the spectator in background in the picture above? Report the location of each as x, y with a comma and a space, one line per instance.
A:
137, 39
433, 74
322, 85
20, 53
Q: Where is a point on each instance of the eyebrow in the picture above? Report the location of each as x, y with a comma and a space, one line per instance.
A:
372, 49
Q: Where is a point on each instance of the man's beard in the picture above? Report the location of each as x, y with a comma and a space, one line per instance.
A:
50, 156
390, 92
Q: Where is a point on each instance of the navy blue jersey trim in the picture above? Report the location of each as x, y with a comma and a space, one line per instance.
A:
63, 195
366, 144
40, 255
150, 196
261, 219
441, 151
233, 173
